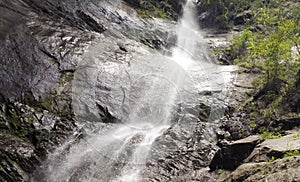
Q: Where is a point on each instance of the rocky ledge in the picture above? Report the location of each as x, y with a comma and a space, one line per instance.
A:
254, 159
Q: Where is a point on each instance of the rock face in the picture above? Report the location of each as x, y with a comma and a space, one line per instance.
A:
18, 159
36, 48
27, 135
41, 43
45, 45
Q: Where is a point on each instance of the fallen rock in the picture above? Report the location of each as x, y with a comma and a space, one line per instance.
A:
275, 148
286, 169
232, 155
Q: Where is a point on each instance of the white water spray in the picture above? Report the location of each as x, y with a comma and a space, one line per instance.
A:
190, 41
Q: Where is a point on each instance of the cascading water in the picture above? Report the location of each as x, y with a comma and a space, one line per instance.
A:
189, 38
150, 91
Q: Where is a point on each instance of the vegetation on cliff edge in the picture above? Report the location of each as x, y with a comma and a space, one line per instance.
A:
269, 44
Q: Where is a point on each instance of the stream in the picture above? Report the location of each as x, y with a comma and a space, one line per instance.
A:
140, 113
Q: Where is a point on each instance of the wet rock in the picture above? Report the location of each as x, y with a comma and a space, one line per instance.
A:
18, 158
42, 51
90, 21
25, 69
204, 112
35, 48
40, 44
27, 135
184, 151
232, 155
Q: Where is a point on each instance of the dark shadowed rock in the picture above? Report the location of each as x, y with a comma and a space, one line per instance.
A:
286, 124
242, 18
232, 155
90, 21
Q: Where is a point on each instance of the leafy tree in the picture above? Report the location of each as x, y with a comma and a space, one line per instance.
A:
275, 49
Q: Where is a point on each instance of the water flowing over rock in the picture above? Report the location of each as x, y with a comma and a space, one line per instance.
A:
123, 98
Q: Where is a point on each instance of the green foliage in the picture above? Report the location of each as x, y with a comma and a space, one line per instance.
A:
220, 171
291, 153
16, 124
271, 160
154, 9
274, 49
297, 135
252, 124
239, 46
223, 12
268, 135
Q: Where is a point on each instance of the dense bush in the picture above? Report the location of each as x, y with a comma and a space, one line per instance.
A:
271, 44
275, 48
168, 9
222, 13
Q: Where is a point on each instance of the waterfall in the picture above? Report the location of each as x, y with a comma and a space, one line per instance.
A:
190, 43
150, 91
166, 91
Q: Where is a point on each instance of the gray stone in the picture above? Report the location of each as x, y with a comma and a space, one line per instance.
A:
274, 148
286, 169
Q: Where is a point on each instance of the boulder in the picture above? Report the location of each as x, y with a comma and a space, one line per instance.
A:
230, 156
286, 169
272, 160
274, 148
